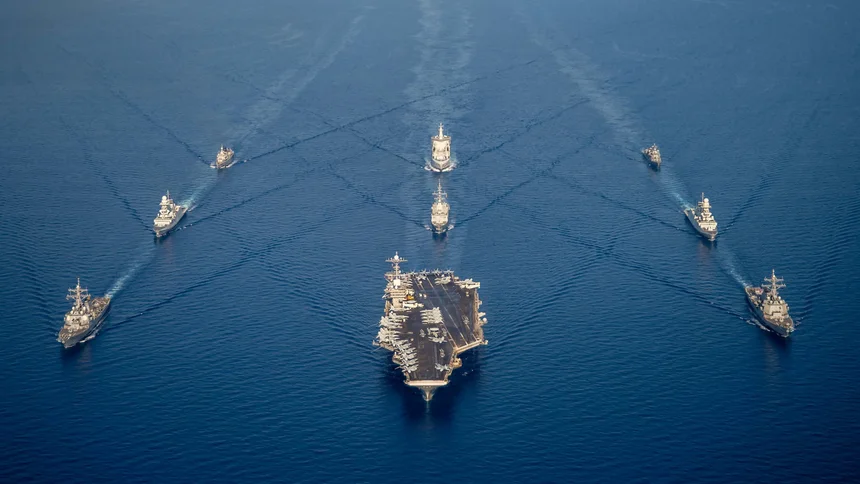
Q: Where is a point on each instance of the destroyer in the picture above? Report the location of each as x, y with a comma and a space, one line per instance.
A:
225, 156
168, 216
439, 211
85, 317
430, 318
769, 307
652, 154
702, 219
440, 155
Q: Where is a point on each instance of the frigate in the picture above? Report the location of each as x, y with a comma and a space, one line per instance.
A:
702, 219
440, 152
430, 318
85, 317
168, 216
652, 154
439, 211
769, 307
225, 156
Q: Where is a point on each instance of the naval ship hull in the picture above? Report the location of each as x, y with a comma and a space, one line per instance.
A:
226, 164
783, 331
652, 162
161, 232
96, 324
691, 217
440, 166
443, 322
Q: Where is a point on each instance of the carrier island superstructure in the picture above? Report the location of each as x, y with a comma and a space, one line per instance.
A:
430, 318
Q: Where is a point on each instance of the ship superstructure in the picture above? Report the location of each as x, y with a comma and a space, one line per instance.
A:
225, 156
430, 318
168, 216
440, 152
702, 219
439, 211
652, 154
769, 307
85, 317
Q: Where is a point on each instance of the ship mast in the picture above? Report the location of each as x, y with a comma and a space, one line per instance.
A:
775, 283
395, 266
441, 135
440, 195
78, 295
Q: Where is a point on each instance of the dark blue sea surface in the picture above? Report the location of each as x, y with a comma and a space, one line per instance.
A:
620, 347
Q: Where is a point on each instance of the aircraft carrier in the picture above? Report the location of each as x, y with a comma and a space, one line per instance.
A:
430, 318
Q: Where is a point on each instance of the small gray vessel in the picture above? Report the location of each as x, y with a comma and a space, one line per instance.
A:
702, 219
85, 317
439, 211
652, 154
225, 156
440, 153
168, 216
769, 307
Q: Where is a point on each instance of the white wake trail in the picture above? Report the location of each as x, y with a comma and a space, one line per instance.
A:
202, 187
445, 48
594, 86
288, 87
143, 257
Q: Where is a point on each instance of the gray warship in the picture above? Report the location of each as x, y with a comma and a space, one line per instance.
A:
430, 318
168, 216
225, 156
652, 154
440, 152
769, 307
85, 317
702, 219
439, 211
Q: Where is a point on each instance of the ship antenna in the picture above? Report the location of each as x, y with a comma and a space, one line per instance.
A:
75, 294
775, 283
395, 263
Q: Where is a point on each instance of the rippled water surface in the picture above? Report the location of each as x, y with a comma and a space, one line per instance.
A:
620, 346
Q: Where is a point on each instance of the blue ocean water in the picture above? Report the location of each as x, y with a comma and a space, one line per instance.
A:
620, 346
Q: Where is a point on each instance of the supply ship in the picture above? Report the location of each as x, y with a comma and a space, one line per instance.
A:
769, 307
430, 318
440, 152
439, 211
168, 216
702, 219
652, 154
225, 156
85, 317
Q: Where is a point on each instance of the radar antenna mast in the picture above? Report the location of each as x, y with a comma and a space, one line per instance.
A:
775, 283
395, 265
78, 295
